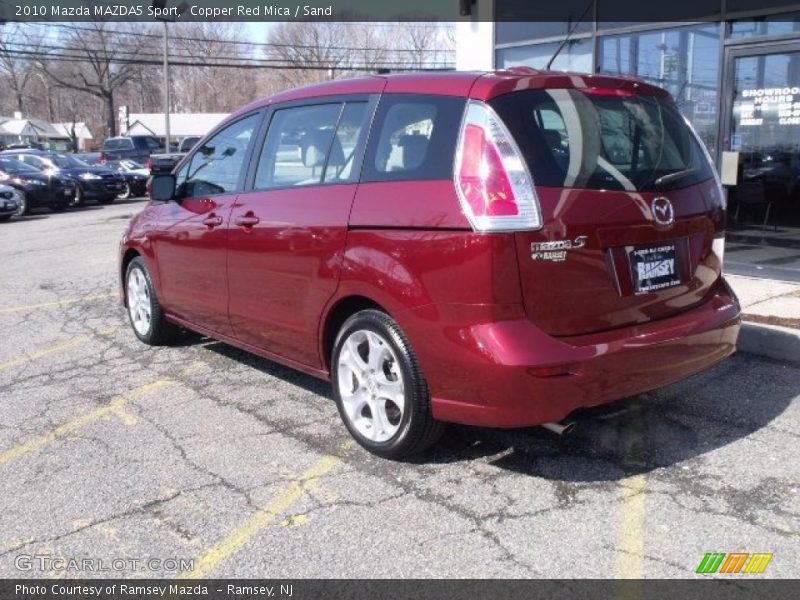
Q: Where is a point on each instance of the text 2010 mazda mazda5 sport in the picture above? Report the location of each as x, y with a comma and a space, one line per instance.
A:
491, 249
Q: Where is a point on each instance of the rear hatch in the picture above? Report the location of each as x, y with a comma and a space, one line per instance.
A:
630, 207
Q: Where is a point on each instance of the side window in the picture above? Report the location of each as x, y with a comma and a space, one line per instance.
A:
344, 147
216, 167
414, 137
297, 145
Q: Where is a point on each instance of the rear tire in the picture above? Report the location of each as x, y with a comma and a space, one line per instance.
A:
381, 393
126, 193
144, 310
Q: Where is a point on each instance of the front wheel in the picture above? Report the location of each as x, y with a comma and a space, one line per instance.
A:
380, 390
24, 208
78, 198
144, 310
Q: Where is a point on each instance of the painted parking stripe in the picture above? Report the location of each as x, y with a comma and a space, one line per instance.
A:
26, 307
631, 536
282, 502
53, 349
115, 406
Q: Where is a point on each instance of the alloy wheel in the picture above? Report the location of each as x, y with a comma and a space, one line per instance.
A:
371, 385
139, 304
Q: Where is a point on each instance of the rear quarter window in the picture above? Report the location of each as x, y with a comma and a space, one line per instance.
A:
413, 137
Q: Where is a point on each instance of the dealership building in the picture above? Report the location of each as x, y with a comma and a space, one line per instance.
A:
736, 77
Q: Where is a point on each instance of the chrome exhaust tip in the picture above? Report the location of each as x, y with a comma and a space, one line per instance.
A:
564, 428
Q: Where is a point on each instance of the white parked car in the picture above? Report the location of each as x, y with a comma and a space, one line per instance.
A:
10, 201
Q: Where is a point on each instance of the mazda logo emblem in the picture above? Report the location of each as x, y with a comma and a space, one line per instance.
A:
663, 213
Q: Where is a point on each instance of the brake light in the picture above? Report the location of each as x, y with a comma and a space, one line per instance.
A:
492, 180
103, 158
149, 164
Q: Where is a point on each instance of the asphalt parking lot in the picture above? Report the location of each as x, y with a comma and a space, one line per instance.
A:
220, 464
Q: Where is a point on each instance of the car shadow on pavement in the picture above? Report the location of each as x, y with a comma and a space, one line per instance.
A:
643, 433
268, 367
632, 436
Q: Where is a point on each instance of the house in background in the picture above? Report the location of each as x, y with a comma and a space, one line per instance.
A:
77, 132
16, 130
181, 125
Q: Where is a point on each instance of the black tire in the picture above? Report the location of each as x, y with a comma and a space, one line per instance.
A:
24, 208
160, 332
78, 199
417, 429
107, 200
126, 193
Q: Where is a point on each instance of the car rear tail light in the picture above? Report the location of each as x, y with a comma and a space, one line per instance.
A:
149, 164
103, 158
491, 177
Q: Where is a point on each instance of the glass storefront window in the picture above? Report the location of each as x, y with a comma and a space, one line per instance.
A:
683, 60
770, 25
765, 130
520, 31
576, 56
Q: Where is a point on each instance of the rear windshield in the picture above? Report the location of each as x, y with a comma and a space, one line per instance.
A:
574, 139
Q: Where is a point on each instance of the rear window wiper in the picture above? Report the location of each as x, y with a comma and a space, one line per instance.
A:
670, 177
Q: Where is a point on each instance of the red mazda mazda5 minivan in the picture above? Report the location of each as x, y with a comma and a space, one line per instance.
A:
492, 249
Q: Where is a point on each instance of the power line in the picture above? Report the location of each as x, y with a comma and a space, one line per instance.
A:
178, 36
183, 63
114, 54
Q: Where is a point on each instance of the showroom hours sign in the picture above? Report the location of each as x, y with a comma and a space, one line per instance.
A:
768, 106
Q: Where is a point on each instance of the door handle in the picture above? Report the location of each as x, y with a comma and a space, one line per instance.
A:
212, 221
248, 220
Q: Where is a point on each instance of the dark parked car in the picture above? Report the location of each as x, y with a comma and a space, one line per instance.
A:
92, 182
188, 143
134, 147
134, 174
451, 247
90, 158
38, 189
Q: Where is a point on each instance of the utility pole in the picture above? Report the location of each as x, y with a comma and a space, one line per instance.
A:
166, 88
160, 6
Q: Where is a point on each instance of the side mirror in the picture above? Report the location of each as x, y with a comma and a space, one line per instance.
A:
162, 188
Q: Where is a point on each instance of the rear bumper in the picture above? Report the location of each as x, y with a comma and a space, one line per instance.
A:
492, 373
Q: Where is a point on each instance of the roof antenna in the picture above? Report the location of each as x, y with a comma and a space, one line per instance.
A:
569, 34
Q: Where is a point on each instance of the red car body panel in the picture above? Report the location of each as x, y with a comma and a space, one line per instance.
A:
284, 269
190, 246
502, 340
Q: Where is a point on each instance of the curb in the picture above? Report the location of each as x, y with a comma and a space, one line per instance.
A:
778, 343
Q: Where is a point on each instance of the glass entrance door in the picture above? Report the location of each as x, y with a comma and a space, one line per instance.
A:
763, 126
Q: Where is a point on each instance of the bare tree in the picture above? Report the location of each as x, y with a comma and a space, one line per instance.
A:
211, 88
18, 71
104, 67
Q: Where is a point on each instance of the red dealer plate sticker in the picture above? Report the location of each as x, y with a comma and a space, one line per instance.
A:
654, 268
